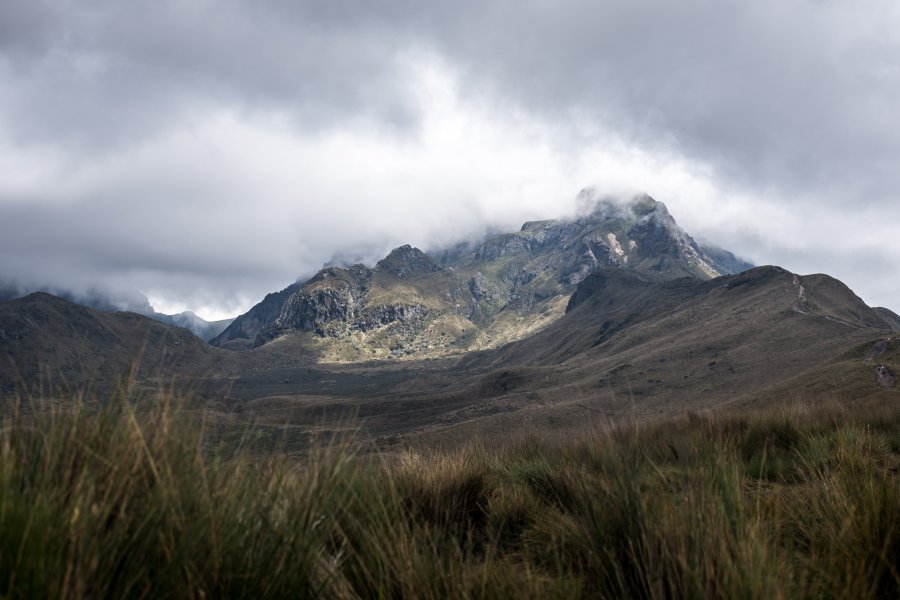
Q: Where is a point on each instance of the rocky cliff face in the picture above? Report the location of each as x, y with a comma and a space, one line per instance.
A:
241, 333
326, 305
406, 261
373, 312
474, 296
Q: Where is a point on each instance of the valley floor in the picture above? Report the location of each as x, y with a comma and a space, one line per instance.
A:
166, 500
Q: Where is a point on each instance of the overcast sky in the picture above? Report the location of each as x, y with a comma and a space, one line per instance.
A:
208, 152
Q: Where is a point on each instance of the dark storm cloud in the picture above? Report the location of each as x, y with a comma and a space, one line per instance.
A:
99, 72
793, 93
789, 102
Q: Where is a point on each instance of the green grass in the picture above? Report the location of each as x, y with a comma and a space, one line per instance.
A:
152, 500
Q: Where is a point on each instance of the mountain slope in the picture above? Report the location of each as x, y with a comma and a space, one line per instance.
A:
413, 305
108, 301
628, 347
889, 317
682, 340
98, 299
242, 331
744, 307
47, 340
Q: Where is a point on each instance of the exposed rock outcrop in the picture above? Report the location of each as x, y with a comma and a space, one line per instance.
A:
337, 302
477, 295
877, 349
243, 331
405, 261
884, 377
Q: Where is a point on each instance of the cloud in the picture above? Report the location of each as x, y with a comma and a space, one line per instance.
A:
207, 152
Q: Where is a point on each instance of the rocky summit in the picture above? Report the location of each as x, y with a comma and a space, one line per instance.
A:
414, 304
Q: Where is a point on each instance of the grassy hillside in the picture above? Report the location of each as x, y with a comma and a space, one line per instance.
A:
162, 501
48, 341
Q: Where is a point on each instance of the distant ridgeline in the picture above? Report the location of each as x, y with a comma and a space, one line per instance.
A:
117, 302
474, 296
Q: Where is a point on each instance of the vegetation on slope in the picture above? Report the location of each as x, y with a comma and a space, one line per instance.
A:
152, 500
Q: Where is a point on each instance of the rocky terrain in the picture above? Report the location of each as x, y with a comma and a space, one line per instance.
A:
241, 333
413, 305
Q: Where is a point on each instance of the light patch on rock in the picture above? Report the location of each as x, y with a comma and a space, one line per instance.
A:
800, 306
617, 247
693, 256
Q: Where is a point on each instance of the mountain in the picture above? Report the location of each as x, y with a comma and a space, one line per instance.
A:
416, 305
725, 261
203, 329
242, 331
98, 299
47, 340
109, 301
649, 349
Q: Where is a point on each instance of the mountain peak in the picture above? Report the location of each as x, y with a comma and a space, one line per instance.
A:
405, 260
646, 206
592, 207
478, 295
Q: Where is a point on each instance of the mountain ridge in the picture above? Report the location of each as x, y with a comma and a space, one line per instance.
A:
118, 302
412, 304
49, 340
889, 317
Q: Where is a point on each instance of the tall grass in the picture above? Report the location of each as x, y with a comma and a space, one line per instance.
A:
146, 500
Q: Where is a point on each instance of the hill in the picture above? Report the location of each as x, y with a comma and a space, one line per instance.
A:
119, 301
46, 340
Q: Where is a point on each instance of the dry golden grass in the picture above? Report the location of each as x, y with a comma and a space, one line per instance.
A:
156, 499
